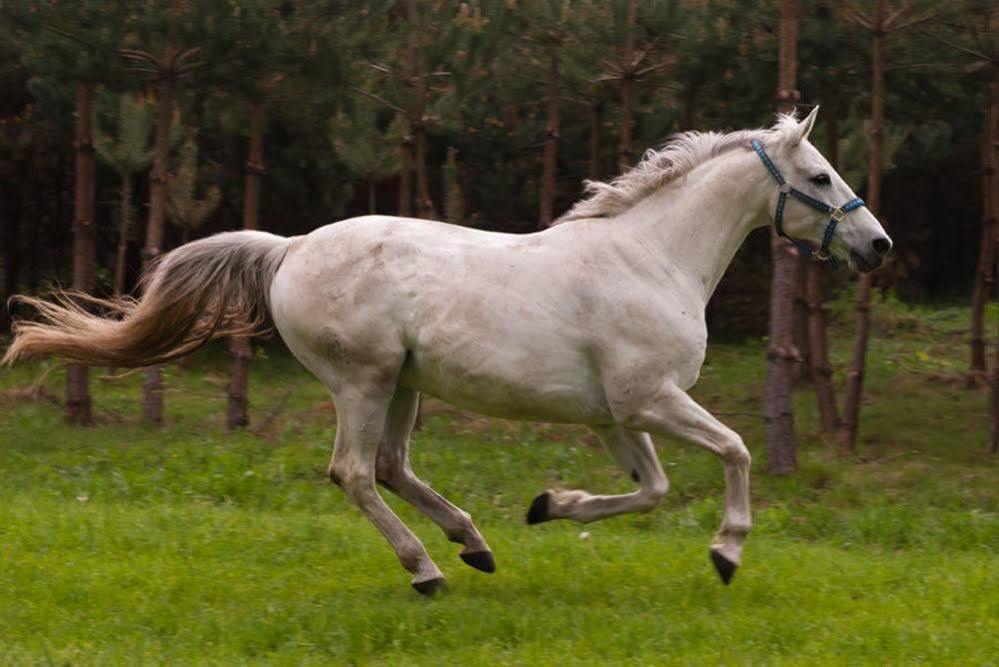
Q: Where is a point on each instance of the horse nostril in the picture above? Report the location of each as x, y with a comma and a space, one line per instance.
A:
881, 245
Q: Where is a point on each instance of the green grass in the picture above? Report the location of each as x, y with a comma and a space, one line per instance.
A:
188, 545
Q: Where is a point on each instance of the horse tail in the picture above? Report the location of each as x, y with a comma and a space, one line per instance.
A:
210, 288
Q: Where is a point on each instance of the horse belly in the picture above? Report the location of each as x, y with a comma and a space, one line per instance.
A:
501, 386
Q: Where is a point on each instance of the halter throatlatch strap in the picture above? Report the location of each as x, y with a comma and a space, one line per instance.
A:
785, 190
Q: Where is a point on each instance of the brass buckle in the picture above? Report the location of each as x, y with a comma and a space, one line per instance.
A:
822, 255
837, 214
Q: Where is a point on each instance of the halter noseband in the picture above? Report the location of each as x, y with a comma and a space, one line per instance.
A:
785, 189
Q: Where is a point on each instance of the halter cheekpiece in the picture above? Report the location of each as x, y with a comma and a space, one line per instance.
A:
836, 214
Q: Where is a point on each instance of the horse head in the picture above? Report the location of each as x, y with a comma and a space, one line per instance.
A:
813, 206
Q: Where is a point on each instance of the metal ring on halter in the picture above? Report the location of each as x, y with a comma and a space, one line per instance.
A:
837, 214
822, 255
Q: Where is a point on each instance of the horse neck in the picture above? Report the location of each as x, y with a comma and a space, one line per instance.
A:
693, 226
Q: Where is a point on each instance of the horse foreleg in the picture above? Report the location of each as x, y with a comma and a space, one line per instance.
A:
395, 474
361, 420
635, 453
672, 412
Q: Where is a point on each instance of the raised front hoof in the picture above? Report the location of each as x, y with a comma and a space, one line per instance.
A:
539, 509
480, 560
726, 568
431, 587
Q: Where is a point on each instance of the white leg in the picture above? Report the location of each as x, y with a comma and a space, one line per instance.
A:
672, 412
361, 419
394, 473
635, 453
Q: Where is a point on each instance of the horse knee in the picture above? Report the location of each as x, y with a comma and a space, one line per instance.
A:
735, 451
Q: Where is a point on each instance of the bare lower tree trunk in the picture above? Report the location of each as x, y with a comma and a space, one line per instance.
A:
994, 402
6, 222
627, 90
240, 347
690, 107
425, 205
124, 227
372, 207
782, 355
152, 386
550, 155
405, 168
818, 361
596, 138
984, 276
802, 342
818, 358
858, 362
78, 404
992, 214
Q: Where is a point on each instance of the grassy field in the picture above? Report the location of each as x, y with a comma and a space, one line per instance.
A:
187, 545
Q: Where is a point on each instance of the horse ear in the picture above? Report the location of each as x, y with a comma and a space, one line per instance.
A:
805, 126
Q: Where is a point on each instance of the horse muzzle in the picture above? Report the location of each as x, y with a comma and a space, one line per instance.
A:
873, 256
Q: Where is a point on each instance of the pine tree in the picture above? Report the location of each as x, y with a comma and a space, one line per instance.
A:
364, 146
183, 206
880, 22
73, 44
127, 155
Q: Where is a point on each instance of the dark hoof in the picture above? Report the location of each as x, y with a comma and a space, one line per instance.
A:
431, 587
539, 509
725, 567
480, 560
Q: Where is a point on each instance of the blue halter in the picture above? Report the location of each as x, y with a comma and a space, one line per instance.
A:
835, 214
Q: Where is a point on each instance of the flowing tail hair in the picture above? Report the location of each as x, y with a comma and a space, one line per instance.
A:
210, 288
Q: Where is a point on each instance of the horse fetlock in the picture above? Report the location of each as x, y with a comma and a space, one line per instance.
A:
334, 476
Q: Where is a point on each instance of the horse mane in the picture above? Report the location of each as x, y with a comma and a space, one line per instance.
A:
678, 156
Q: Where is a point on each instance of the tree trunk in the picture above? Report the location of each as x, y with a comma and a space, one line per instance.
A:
152, 386
627, 89
240, 347
550, 155
855, 376
405, 168
778, 415
11, 245
425, 205
690, 107
8, 223
372, 208
802, 342
818, 358
596, 138
124, 227
986, 256
78, 404
992, 214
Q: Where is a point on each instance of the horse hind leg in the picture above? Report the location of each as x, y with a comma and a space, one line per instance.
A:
394, 473
361, 421
635, 453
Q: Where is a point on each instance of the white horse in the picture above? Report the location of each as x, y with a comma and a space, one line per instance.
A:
598, 320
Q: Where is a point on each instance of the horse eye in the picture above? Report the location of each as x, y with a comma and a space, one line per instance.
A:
821, 179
